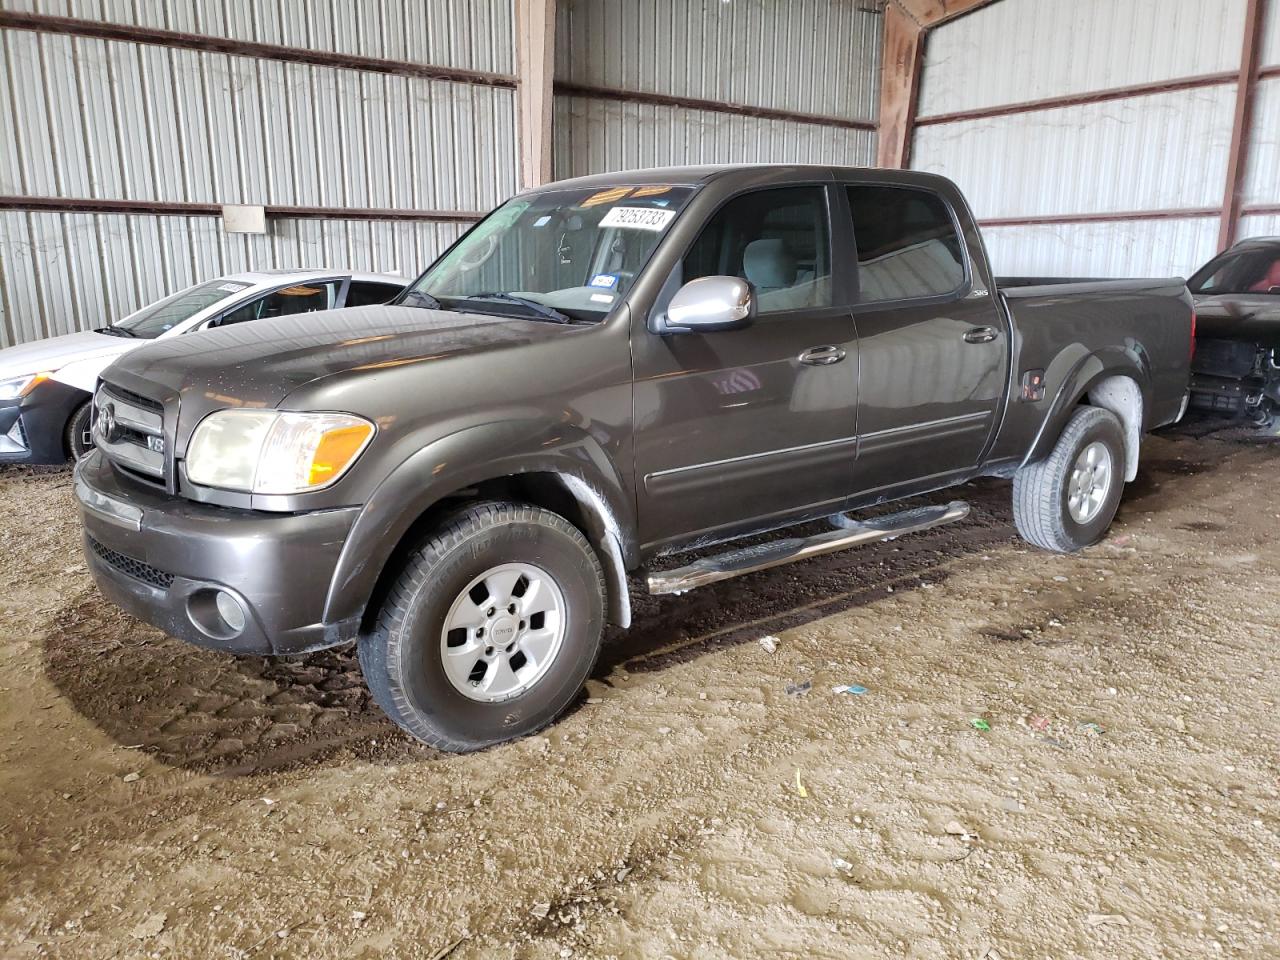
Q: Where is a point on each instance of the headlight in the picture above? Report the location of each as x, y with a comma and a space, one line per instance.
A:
269, 451
17, 387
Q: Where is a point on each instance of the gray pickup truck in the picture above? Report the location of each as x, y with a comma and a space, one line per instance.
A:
601, 373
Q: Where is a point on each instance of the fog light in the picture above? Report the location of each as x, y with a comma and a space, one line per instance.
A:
230, 611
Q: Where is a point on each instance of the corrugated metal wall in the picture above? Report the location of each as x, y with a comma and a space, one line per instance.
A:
1144, 153
104, 119
1271, 38
1160, 151
86, 118
819, 57
1018, 50
809, 56
472, 34
594, 135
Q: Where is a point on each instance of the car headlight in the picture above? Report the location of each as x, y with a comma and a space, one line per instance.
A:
16, 387
270, 451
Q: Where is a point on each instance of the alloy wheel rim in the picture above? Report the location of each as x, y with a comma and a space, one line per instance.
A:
1090, 482
503, 632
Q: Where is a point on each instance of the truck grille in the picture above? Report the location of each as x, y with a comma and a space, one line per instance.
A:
131, 567
129, 430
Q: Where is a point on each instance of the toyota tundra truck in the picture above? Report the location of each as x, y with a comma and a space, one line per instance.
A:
608, 381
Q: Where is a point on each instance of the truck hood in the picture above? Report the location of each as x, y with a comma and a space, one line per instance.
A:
58, 352
258, 364
1252, 318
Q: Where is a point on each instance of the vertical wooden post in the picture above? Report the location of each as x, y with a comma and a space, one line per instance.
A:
535, 70
899, 86
1246, 88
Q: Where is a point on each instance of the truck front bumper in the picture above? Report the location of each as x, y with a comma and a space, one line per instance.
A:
237, 580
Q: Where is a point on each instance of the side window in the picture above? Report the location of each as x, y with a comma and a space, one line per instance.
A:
366, 293
300, 298
778, 240
907, 244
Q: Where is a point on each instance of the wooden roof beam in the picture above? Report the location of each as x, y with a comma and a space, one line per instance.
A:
906, 22
930, 13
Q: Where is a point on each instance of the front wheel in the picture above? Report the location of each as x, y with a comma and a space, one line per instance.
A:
489, 629
79, 436
1068, 500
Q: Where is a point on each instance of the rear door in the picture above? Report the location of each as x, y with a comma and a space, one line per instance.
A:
933, 345
734, 428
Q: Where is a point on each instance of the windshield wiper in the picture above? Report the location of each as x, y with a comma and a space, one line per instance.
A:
117, 332
541, 309
425, 300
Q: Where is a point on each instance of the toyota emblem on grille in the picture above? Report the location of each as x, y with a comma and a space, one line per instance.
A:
107, 420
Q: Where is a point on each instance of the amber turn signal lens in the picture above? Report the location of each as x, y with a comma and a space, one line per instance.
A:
336, 449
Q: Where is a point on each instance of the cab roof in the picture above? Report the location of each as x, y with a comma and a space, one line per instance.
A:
697, 175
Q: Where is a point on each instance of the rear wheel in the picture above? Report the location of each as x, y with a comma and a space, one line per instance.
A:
79, 438
1068, 500
489, 629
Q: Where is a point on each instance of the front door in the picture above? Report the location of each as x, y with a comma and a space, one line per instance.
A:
739, 428
933, 345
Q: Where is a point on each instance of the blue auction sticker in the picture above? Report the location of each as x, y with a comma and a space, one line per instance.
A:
606, 280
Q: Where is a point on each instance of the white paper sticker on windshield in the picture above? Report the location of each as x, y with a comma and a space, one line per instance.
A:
638, 218
231, 287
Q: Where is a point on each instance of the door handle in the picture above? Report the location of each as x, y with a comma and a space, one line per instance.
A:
821, 356
981, 335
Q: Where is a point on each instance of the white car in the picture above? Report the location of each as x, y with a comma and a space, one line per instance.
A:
46, 386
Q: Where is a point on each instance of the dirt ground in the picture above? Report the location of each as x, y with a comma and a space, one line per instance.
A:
159, 800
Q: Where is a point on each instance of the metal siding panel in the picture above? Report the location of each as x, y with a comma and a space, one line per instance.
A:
1055, 49
67, 157
1138, 248
20, 302
249, 108
469, 34
1260, 226
119, 272
810, 56
49, 260
596, 136
32, 108
1270, 52
129, 114
1262, 174
11, 172
401, 154
1094, 158
167, 150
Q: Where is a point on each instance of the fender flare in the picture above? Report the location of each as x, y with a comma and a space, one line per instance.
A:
1085, 374
475, 455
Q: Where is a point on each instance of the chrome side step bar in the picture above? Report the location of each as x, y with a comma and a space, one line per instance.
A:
848, 533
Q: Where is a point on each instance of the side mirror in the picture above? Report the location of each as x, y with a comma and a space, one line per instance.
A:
708, 304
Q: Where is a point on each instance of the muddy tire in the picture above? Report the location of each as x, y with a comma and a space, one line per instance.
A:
77, 438
489, 629
1068, 500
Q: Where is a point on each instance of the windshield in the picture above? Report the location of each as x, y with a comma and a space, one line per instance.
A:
1240, 271
575, 252
161, 317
